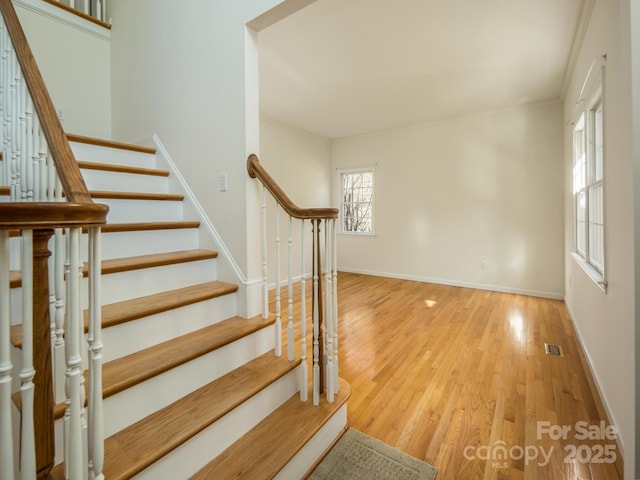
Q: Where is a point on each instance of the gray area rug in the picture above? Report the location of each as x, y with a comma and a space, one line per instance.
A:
357, 456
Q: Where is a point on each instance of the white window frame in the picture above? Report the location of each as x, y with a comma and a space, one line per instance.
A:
589, 158
348, 171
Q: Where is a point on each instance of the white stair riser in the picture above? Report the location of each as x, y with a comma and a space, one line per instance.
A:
148, 331
121, 286
112, 156
124, 182
134, 211
187, 459
142, 400
135, 403
315, 448
146, 242
117, 287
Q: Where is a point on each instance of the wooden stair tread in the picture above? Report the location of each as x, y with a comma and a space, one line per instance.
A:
266, 449
128, 310
109, 143
137, 367
140, 226
116, 265
5, 190
131, 450
121, 312
108, 167
105, 194
135, 227
125, 372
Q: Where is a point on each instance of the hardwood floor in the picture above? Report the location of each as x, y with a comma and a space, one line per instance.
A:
449, 374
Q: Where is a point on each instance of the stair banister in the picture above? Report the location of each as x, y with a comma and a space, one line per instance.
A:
324, 307
47, 194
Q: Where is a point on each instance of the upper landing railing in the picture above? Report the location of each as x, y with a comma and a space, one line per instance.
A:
324, 315
92, 10
43, 195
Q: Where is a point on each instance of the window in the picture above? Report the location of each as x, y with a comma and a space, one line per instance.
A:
356, 201
588, 186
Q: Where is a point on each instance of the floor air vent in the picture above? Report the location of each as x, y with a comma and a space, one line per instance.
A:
554, 350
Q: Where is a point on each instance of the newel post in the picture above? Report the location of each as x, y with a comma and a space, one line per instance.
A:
43, 380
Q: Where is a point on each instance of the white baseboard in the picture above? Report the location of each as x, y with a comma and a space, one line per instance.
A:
455, 283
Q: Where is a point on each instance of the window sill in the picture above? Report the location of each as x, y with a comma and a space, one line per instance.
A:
595, 275
357, 234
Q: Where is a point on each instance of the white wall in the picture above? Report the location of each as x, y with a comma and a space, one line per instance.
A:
472, 201
187, 71
300, 162
74, 58
605, 321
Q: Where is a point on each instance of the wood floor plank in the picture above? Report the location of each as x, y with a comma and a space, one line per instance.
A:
468, 371
435, 370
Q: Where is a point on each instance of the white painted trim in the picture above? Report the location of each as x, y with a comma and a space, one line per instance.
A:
62, 16
455, 283
206, 222
596, 378
285, 282
576, 44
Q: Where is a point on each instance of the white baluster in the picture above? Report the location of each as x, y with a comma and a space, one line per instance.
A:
14, 95
58, 270
104, 11
27, 152
265, 286
43, 169
96, 414
316, 316
278, 324
67, 352
3, 84
328, 320
304, 388
6, 434
27, 436
85, 7
74, 435
22, 139
38, 190
290, 332
334, 269
72, 3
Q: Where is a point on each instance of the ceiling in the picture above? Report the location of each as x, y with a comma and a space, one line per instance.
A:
339, 68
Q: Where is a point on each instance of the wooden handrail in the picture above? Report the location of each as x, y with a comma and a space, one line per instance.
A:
256, 170
66, 165
35, 215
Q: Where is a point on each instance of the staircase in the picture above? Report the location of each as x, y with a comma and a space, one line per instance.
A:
190, 389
